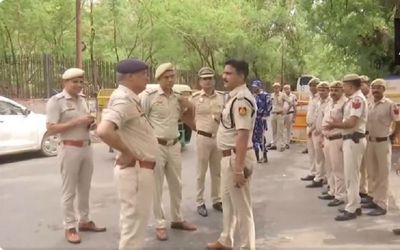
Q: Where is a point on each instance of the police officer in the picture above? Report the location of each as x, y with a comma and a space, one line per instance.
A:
234, 139
382, 112
315, 132
311, 109
290, 114
68, 115
125, 128
333, 142
208, 104
364, 187
355, 114
277, 117
264, 106
164, 108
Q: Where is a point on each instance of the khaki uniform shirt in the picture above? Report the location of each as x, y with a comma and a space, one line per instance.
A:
244, 116
311, 109
357, 106
278, 101
62, 108
208, 110
162, 111
381, 114
333, 111
319, 114
125, 111
292, 102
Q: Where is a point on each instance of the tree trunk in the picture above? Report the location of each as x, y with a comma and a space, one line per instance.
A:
92, 59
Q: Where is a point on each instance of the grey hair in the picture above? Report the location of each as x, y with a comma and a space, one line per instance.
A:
120, 77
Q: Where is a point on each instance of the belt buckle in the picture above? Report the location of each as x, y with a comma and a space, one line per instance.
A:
170, 142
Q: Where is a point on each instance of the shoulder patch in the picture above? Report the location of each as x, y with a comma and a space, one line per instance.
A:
356, 103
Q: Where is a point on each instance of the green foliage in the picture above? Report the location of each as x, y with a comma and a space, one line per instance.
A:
279, 38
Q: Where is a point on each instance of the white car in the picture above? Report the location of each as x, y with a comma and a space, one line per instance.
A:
22, 130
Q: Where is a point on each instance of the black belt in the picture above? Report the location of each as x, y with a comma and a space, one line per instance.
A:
206, 134
356, 136
290, 112
167, 142
228, 152
334, 137
278, 113
378, 139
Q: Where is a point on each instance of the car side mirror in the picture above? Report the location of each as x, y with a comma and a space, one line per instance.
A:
26, 112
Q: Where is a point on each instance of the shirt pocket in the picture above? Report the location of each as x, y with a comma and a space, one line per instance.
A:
68, 111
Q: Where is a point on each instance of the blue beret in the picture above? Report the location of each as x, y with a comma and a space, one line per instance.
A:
256, 83
131, 66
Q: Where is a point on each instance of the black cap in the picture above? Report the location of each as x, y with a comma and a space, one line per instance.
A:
131, 66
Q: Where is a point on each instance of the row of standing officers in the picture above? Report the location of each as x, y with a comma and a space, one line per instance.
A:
144, 130
350, 130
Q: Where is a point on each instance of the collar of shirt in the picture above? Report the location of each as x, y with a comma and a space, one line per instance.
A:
236, 90
68, 96
203, 93
162, 92
357, 93
383, 100
129, 92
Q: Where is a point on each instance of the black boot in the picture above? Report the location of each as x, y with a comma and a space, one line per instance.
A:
265, 156
257, 152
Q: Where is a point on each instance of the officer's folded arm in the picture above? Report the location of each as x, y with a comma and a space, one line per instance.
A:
106, 130
55, 128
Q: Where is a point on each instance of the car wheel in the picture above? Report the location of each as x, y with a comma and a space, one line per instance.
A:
49, 145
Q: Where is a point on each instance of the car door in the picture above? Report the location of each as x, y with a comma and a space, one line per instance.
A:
15, 132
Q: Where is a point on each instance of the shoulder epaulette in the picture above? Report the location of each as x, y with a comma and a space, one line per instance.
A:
196, 93
82, 95
177, 93
151, 91
59, 95
221, 92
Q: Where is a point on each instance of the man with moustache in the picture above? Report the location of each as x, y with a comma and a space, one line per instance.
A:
311, 109
382, 113
333, 142
315, 132
208, 104
125, 128
355, 115
234, 139
164, 108
68, 115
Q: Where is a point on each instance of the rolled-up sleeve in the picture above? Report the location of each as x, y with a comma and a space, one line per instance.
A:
119, 111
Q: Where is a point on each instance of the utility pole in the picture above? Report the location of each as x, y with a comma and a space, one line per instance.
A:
78, 56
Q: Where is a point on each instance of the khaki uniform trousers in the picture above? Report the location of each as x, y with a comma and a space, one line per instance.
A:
76, 174
208, 155
169, 164
320, 173
364, 187
288, 122
352, 157
378, 158
334, 167
236, 203
311, 153
135, 188
277, 123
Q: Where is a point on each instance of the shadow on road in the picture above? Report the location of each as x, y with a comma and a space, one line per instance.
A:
19, 157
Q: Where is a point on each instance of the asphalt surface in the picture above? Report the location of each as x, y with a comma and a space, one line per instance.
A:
287, 215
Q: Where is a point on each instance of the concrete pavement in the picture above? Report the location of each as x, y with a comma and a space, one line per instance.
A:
288, 216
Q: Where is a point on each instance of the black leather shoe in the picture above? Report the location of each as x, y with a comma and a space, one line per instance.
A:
377, 212
315, 184
366, 200
273, 147
308, 178
357, 212
346, 216
396, 231
370, 205
363, 195
327, 197
305, 151
335, 203
202, 210
287, 146
218, 206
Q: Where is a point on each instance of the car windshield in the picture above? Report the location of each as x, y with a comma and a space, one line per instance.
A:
7, 108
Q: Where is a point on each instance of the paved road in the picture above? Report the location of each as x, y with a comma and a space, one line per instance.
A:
288, 216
